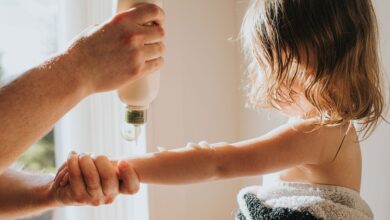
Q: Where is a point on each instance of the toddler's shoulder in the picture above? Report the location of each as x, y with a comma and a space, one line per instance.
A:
309, 135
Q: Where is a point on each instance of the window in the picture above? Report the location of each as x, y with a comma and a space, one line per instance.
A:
33, 30
28, 36
29, 30
40, 157
94, 124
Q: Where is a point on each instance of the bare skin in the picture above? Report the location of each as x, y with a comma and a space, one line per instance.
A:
120, 51
306, 157
306, 153
117, 53
302, 150
25, 194
344, 170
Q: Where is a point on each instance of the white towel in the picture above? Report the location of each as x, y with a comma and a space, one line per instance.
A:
285, 200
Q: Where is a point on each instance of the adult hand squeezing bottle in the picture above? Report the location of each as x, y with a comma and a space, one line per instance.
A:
138, 95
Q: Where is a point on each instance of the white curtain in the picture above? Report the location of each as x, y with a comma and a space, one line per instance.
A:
94, 125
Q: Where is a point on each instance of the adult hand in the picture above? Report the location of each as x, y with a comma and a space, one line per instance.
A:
84, 180
120, 51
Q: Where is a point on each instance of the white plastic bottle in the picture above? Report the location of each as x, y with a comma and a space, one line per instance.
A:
138, 95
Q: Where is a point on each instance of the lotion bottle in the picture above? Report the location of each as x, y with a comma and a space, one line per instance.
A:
138, 95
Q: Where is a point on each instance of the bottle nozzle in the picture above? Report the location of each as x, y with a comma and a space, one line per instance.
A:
131, 129
131, 132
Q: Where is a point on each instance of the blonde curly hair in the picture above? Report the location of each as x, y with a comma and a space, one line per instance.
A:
328, 47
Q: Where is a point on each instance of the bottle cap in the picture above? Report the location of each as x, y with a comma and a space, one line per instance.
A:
136, 117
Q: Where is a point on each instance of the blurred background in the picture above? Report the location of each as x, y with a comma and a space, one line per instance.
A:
28, 36
201, 98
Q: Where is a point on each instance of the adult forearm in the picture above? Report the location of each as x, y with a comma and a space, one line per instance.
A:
31, 104
106, 58
23, 194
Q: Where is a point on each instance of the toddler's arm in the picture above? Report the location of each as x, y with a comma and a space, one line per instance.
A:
286, 146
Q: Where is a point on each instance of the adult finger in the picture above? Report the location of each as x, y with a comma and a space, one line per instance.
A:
154, 51
65, 180
153, 34
153, 65
144, 14
62, 167
76, 179
60, 176
108, 177
91, 178
130, 182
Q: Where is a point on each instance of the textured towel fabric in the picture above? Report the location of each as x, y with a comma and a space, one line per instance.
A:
291, 201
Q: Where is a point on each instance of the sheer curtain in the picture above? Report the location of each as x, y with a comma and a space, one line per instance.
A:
94, 125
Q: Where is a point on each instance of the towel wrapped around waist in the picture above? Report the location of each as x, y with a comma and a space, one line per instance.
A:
285, 200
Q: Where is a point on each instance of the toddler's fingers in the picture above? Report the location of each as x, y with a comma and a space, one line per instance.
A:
130, 182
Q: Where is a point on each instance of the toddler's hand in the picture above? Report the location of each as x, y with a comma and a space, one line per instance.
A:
129, 181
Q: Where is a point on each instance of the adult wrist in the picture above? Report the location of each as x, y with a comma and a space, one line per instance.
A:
46, 196
67, 65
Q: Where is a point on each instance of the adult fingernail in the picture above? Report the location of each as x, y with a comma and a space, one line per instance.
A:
72, 153
83, 155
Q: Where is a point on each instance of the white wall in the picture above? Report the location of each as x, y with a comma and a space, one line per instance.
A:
376, 150
198, 101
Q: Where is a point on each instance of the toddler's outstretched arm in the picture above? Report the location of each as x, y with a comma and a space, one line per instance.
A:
287, 146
